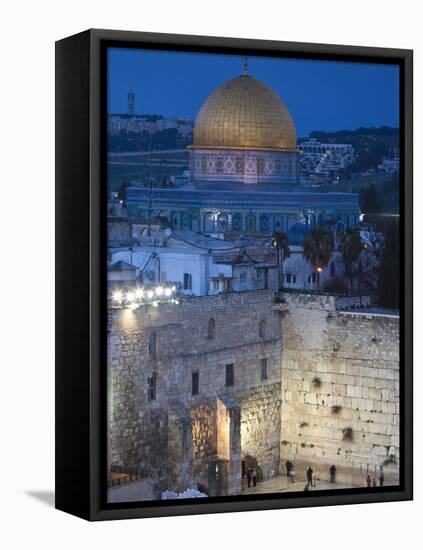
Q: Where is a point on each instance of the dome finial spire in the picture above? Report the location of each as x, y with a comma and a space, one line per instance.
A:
245, 65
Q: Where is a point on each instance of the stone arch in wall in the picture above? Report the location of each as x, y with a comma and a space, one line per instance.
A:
175, 220
211, 329
237, 222
262, 328
251, 462
264, 222
250, 223
185, 221
292, 220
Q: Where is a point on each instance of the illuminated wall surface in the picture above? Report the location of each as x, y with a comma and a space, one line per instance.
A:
330, 394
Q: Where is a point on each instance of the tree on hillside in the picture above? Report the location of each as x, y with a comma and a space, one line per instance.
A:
318, 248
370, 201
122, 190
280, 241
350, 248
389, 272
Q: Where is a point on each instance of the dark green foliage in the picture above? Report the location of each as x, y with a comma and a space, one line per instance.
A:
381, 198
336, 285
280, 242
389, 272
318, 247
350, 248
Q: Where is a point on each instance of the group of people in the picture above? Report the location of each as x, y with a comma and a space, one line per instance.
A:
251, 477
370, 483
311, 481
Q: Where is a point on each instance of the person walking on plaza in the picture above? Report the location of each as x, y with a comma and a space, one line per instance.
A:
368, 481
254, 478
381, 479
332, 471
289, 467
309, 476
249, 477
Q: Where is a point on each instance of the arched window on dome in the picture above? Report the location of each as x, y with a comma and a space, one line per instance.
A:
211, 329
264, 222
262, 328
250, 223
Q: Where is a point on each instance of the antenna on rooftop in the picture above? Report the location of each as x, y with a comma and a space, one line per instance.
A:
245, 65
131, 102
150, 182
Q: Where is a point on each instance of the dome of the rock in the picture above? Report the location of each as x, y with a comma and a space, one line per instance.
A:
244, 113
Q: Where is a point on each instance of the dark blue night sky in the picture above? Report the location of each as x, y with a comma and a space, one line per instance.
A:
321, 95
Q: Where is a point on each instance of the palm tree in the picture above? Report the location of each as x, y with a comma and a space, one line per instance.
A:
318, 248
280, 241
350, 248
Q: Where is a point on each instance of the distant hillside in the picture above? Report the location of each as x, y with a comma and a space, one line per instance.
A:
371, 145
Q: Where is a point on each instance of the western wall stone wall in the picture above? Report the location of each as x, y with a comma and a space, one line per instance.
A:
340, 389
174, 437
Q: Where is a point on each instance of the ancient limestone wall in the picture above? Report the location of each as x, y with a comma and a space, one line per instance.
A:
340, 389
148, 433
261, 429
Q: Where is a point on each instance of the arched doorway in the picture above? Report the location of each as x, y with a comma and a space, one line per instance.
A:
250, 464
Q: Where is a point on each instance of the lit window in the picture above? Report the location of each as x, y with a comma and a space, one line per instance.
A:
195, 383
230, 378
211, 329
263, 368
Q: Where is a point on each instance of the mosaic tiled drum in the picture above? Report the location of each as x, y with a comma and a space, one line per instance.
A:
244, 133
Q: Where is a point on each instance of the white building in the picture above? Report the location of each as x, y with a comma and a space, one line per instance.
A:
390, 166
199, 265
324, 159
138, 124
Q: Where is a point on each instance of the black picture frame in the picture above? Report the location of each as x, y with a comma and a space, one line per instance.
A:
81, 278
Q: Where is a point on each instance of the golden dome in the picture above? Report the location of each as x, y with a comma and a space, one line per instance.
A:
244, 113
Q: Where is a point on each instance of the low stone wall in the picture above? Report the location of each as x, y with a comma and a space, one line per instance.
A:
340, 390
